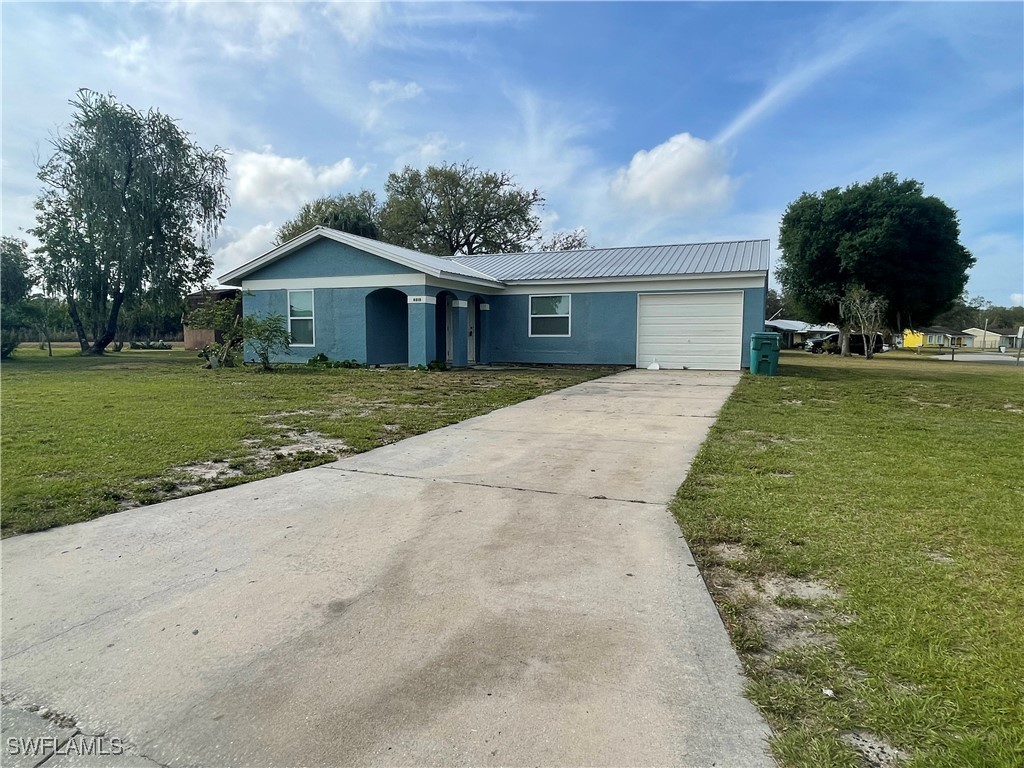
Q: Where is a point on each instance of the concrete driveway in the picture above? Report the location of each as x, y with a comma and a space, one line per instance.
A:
507, 591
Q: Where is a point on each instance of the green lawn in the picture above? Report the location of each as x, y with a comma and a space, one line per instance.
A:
861, 526
85, 436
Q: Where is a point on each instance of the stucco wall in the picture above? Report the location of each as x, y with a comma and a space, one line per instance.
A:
328, 258
603, 331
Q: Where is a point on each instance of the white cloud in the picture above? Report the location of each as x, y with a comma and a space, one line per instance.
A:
392, 90
243, 247
357, 22
683, 175
242, 29
853, 40
1017, 299
131, 56
268, 181
387, 92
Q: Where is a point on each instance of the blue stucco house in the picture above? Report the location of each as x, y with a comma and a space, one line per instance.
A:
683, 306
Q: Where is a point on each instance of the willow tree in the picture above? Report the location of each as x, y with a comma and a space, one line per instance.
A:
129, 208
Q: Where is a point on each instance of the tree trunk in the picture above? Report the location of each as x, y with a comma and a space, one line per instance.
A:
111, 330
76, 321
869, 346
844, 342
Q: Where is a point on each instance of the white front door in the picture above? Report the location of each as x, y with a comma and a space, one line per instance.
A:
471, 331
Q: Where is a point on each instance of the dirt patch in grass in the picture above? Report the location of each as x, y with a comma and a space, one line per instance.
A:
779, 612
874, 751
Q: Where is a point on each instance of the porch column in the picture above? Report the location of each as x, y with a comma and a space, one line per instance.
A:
460, 334
483, 330
422, 342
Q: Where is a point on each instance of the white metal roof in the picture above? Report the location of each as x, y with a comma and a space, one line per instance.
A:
639, 261
799, 326
499, 268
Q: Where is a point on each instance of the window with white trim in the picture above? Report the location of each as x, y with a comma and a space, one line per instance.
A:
550, 315
300, 318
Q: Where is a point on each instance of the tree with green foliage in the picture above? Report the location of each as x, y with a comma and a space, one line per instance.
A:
458, 209
884, 236
774, 305
864, 311
130, 207
224, 317
354, 213
15, 283
265, 335
46, 316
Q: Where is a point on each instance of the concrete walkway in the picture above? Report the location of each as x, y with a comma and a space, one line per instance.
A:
507, 591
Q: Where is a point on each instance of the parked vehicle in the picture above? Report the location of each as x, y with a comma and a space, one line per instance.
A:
830, 344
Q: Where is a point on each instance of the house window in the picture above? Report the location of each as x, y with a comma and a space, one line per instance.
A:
300, 318
549, 315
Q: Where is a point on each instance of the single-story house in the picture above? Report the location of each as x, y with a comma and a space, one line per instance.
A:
796, 333
683, 306
935, 336
992, 338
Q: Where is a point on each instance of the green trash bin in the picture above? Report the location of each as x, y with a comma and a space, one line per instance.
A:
764, 353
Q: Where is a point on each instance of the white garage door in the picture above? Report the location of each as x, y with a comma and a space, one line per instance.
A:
690, 330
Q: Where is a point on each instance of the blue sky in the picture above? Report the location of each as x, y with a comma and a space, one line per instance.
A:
643, 123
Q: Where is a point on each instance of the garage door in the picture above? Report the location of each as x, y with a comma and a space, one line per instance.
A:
690, 330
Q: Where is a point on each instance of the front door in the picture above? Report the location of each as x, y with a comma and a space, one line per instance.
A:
449, 321
471, 331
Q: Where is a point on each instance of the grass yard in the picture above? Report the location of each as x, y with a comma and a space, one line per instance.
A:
85, 436
861, 527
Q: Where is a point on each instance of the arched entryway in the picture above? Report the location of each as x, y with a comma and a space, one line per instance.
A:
387, 328
444, 326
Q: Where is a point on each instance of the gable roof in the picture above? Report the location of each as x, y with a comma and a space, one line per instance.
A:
422, 262
500, 268
942, 330
639, 261
991, 331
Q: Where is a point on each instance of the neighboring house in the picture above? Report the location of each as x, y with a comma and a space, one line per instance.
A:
796, 333
992, 338
197, 338
935, 336
684, 306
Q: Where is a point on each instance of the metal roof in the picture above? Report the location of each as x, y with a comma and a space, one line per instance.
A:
498, 268
799, 326
639, 261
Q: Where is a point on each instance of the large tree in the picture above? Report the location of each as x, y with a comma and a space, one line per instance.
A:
884, 237
353, 213
129, 208
458, 209
15, 283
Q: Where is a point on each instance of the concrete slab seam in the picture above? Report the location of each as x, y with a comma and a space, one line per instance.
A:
488, 485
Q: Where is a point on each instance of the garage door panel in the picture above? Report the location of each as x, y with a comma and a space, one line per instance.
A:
690, 330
